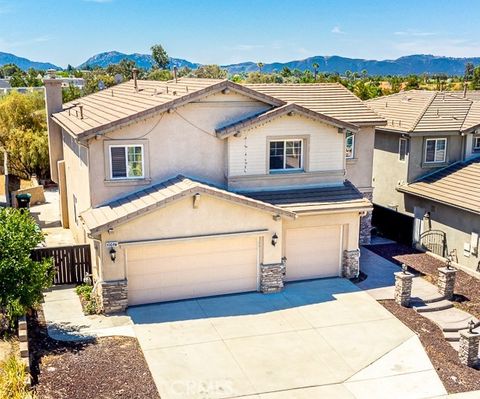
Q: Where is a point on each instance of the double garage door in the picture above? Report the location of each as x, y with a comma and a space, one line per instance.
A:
196, 268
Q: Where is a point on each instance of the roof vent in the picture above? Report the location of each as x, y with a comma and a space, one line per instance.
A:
175, 74
135, 76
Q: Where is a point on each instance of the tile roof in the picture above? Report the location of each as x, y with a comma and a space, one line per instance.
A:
331, 99
419, 111
290, 108
151, 198
122, 104
457, 185
342, 197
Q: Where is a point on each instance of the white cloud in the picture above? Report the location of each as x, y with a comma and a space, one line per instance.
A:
414, 33
247, 47
12, 45
451, 47
337, 30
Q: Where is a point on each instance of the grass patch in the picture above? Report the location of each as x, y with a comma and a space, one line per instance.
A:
13, 377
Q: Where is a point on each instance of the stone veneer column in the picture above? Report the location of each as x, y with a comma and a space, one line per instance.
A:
446, 281
271, 277
351, 263
468, 350
112, 296
366, 224
403, 288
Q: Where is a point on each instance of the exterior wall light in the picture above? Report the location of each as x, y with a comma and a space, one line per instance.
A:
448, 262
113, 254
404, 268
274, 239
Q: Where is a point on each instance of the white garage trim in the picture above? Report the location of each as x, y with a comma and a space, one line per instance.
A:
195, 237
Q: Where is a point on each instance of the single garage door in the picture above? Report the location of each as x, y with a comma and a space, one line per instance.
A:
189, 269
313, 252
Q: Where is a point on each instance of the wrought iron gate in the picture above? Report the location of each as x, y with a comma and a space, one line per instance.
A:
434, 241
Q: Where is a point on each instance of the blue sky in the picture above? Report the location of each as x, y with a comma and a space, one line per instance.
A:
229, 31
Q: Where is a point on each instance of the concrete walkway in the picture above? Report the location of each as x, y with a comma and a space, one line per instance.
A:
66, 321
380, 284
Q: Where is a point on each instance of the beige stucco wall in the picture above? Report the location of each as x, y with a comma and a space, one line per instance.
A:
180, 219
78, 183
182, 142
388, 170
457, 224
360, 168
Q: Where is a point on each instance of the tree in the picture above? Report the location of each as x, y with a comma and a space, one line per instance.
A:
315, 70
260, 66
22, 279
160, 56
475, 84
159, 74
93, 79
71, 93
23, 133
124, 67
210, 72
469, 70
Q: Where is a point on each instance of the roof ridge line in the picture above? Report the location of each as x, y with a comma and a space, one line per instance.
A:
422, 112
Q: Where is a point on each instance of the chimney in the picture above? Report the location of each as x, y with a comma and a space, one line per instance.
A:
53, 104
175, 74
135, 75
465, 87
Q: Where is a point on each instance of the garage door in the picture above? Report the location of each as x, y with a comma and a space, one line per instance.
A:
188, 269
313, 252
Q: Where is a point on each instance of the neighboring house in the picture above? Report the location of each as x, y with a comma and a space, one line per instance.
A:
422, 169
201, 187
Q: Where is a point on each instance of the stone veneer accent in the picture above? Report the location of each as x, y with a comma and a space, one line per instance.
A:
351, 263
468, 350
112, 296
366, 224
403, 288
271, 277
446, 281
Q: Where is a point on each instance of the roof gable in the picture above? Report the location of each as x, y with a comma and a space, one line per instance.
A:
288, 109
123, 104
136, 204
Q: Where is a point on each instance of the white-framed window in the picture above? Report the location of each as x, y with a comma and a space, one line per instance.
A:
476, 143
349, 145
286, 155
435, 150
126, 161
402, 149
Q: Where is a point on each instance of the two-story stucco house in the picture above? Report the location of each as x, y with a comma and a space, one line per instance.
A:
426, 167
198, 187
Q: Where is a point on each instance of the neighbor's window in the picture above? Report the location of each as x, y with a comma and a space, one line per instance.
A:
286, 155
476, 143
435, 150
126, 161
350, 145
402, 149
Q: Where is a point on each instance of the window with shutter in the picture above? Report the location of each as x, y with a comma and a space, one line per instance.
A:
126, 162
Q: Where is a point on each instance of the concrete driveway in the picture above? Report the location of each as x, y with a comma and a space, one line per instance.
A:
319, 338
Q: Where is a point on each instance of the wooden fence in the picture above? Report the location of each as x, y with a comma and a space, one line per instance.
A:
72, 263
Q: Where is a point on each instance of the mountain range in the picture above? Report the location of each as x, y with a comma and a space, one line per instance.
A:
411, 64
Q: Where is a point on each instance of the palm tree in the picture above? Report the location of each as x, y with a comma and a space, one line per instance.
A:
315, 71
260, 66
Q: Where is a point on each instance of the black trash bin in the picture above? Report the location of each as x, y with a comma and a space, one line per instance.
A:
23, 200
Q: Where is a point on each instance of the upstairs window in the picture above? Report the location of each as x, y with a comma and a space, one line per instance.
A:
350, 145
435, 150
126, 161
402, 149
476, 144
286, 155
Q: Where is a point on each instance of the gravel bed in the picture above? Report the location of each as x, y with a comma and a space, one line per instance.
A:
467, 288
109, 367
455, 376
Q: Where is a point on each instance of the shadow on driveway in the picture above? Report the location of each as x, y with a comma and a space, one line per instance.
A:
295, 294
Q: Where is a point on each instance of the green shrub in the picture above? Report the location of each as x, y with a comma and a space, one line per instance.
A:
22, 279
89, 303
13, 375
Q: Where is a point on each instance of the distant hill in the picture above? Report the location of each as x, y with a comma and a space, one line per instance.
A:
142, 60
411, 64
24, 63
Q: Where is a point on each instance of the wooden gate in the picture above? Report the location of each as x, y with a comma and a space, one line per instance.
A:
434, 241
72, 263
